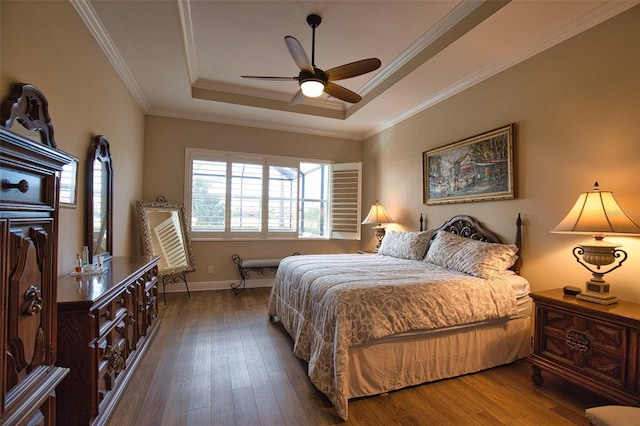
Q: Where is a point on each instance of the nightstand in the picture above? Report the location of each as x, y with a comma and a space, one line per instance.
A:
593, 346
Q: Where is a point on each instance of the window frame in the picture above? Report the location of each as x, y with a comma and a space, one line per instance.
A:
267, 161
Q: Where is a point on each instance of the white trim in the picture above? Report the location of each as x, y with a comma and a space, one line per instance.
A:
355, 135
93, 23
449, 21
184, 10
588, 20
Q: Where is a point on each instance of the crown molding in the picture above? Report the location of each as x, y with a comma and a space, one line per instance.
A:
441, 27
590, 19
96, 28
246, 123
184, 10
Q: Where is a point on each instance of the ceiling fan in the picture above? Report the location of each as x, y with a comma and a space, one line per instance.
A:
313, 80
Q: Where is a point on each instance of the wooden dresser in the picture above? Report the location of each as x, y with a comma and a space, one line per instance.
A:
106, 323
593, 346
29, 188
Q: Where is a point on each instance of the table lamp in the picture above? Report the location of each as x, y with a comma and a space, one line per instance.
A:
378, 215
598, 213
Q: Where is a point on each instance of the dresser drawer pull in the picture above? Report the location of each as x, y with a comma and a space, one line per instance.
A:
22, 186
33, 301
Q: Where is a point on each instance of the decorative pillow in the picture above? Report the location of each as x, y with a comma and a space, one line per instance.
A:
484, 260
405, 245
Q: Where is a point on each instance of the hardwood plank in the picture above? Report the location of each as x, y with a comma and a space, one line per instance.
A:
263, 394
245, 406
222, 408
218, 359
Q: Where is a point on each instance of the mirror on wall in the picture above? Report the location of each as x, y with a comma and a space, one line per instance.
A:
68, 186
99, 184
165, 233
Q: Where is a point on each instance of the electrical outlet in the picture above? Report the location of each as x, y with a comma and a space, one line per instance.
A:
209, 269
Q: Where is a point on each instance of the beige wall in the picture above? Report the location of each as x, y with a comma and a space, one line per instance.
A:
47, 44
165, 143
577, 112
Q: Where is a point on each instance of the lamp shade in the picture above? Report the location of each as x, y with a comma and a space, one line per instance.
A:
597, 212
377, 215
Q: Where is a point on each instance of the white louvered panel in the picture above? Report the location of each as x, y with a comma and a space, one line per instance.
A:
345, 196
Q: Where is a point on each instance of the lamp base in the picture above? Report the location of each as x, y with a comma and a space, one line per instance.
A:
597, 291
380, 233
599, 298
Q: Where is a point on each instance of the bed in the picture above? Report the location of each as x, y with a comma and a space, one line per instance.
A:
430, 305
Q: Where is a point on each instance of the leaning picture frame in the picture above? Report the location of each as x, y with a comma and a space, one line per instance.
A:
479, 168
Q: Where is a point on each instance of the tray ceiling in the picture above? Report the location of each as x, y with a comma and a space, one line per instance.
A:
185, 58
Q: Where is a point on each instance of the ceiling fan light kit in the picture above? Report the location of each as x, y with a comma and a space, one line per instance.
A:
312, 88
312, 80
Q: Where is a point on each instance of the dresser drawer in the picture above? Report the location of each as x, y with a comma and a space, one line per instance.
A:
22, 187
115, 310
112, 356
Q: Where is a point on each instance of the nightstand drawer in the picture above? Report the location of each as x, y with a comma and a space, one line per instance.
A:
596, 347
591, 345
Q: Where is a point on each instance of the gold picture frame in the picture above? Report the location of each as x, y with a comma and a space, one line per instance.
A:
479, 168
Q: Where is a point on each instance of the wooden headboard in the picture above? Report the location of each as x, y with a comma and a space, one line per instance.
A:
468, 227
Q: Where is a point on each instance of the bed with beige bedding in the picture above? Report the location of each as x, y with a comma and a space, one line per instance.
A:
368, 324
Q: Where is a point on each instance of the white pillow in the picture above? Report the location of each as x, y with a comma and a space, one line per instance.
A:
484, 260
405, 245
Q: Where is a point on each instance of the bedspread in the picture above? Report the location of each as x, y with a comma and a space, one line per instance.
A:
329, 303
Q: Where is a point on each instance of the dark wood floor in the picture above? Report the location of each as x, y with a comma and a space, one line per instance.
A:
218, 360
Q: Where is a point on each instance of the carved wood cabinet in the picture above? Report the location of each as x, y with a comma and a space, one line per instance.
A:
593, 346
106, 323
29, 185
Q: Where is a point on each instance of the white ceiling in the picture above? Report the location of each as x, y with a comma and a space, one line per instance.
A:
184, 58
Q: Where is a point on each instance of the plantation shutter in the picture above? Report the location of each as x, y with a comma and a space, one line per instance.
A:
346, 188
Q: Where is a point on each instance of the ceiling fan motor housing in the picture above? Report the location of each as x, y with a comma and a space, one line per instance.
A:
314, 20
317, 75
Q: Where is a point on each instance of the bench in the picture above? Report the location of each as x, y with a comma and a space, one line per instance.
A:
259, 266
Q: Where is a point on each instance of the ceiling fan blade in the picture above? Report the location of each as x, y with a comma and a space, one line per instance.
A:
299, 55
259, 77
297, 98
342, 93
353, 69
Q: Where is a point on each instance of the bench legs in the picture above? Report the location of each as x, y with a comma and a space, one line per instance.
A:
259, 266
244, 273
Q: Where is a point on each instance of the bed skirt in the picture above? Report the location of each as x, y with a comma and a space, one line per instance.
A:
396, 363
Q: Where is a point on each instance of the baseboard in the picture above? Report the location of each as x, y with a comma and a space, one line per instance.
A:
179, 287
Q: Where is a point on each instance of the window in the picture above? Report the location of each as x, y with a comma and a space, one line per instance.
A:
314, 184
245, 196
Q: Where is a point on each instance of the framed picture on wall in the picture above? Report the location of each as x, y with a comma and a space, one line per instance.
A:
479, 168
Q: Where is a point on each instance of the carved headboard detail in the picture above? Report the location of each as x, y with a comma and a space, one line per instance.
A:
468, 227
